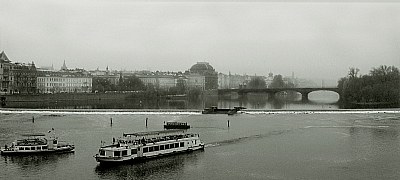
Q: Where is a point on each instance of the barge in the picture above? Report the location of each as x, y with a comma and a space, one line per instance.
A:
176, 125
216, 110
146, 145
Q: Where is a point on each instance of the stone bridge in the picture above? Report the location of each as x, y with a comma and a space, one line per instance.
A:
303, 91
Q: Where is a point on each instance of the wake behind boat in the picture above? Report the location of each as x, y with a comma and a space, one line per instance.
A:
37, 144
146, 145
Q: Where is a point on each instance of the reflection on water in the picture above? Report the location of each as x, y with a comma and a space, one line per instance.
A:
28, 165
290, 145
169, 167
251, 101
25, 162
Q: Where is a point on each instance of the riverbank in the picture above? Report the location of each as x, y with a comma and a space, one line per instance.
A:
190, 111
65, 97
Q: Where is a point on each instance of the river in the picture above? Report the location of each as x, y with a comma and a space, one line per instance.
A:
317, 100
314, 141
257, 145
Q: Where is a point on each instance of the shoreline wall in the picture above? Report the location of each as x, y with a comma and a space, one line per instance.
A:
65, 97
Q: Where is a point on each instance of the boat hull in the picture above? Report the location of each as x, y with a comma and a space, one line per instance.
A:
215, 110
113, 160
17, 153
176, 127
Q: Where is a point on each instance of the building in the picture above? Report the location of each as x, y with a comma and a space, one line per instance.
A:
16, 78
158, 80
232, 81
112, 76
5, 73
196, 81
63, 82
23, 78
209, 73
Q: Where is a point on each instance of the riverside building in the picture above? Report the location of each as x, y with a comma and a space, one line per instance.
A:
16, 78
64, 83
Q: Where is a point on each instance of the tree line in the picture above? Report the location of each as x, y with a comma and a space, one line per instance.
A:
277, 82
380, 86
133, 83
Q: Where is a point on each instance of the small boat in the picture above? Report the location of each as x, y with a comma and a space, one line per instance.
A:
176, 125
146, 145
216, 110
37, 144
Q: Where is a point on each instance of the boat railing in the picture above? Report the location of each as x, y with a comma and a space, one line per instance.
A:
136, 141
30, 142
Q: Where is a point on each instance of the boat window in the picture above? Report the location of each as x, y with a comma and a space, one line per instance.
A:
145, 150
21, 148
33, 148
162, 147
151, 149
156, 148
27, 148
117, 153
176, 145
39, 148
133, 151
102, 152
182, 144
44, 147
167, 146
124, 153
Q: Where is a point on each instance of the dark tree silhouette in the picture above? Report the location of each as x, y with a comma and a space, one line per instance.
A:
256, 83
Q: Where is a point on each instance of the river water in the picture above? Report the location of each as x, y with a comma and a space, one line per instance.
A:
317, 100
338, 144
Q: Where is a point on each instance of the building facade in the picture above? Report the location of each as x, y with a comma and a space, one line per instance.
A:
62, 82
23, 78
16, 78
209, 73
196, 81
5, 73
159, 81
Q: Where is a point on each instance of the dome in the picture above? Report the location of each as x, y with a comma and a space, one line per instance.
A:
201, 67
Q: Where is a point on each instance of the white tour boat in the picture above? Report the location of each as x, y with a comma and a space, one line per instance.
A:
36, 144
145, 145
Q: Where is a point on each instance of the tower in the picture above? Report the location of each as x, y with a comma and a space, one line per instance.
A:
64, 67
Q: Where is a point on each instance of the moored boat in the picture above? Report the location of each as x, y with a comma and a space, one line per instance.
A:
176, 125
37, 144
146, 145
216, 110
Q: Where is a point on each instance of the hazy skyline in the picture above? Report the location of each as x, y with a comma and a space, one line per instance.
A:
310, 39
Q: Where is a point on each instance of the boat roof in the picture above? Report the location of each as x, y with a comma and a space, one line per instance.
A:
154, 132
34, 134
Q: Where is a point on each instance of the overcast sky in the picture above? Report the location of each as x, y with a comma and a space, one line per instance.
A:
309, 39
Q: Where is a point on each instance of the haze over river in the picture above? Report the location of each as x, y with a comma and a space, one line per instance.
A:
337, 144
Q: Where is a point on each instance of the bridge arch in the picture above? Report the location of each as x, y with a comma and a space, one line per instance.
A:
327, 94
304, 91
285, 92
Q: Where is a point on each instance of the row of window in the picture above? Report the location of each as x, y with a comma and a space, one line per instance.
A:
146, 149
163, 147
64, 85
42, 90
65, 79
33, 148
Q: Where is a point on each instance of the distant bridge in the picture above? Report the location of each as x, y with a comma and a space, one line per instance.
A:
303, 91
